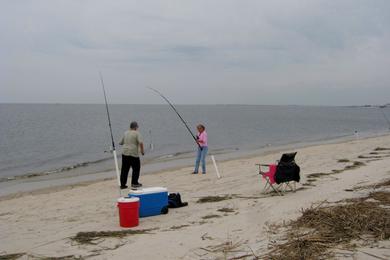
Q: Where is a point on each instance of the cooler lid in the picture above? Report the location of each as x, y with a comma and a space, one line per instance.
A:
128, 200
148, 190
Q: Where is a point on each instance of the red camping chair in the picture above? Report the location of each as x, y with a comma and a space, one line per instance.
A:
280, 175
268, 176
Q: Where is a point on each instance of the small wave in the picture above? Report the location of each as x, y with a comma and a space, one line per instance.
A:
54, 171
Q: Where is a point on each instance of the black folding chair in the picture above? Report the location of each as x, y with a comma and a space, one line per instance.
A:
284, 173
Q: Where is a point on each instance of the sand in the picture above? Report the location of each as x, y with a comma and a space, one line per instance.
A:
41, 224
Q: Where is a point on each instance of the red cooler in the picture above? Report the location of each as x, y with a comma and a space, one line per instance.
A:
128, 212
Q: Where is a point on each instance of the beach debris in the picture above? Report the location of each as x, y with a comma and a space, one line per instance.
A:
211, 216
178, 227
384, 183
343, 160
355, 165
313, 176
205, 236
382, 149
11, 256
92, 236
228, 247
208, 199
372, 156
226, 210
381, 196
316, 175
67, 257
322, 228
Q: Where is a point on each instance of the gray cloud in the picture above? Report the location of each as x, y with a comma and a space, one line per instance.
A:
196, 51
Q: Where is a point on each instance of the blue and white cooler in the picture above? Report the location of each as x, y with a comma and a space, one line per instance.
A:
153, 201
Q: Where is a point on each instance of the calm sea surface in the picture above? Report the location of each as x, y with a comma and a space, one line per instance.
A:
43, 138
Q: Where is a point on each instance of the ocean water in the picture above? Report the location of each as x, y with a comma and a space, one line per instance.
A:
60, 138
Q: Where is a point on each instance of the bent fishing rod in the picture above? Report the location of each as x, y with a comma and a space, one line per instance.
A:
112, 137
177, 113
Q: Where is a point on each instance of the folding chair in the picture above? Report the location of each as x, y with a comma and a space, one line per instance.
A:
285, 173
269, 177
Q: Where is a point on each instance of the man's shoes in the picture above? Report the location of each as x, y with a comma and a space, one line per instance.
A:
138, 185
194, 173
123, 187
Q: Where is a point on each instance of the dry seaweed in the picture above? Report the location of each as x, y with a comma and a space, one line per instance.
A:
372, 156
226, 210
382, 149
178, 227
208, 199
323, 228
356, 164
316, 175
343, 160
211, 216
68, 257
11, 256
91, 237
381, 196
384, 183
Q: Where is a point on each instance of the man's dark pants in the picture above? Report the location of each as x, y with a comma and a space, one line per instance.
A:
135, 164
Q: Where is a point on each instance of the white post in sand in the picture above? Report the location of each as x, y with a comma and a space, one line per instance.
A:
215, 166
117, 172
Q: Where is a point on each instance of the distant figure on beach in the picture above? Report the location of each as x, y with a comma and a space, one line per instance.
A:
201, 139
132, 145
356, 134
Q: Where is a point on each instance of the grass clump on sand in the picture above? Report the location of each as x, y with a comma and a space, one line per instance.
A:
322, 228
90, 237
343, 160
208, 199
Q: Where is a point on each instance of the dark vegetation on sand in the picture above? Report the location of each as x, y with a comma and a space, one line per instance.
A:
91, 237
322, 228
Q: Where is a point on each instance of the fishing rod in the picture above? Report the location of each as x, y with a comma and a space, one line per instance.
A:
177, 113
112, 137
189, 130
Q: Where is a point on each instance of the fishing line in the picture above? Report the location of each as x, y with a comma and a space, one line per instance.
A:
177, 113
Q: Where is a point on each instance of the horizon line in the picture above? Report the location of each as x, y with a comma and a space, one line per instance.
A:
193, 104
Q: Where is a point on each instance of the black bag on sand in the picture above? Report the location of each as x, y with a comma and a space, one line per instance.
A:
174, 201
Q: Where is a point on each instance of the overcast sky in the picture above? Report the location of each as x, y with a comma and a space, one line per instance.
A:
309, 52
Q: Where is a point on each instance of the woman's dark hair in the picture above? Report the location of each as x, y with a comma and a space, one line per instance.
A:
133, 125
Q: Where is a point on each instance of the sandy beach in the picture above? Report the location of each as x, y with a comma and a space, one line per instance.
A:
42, 224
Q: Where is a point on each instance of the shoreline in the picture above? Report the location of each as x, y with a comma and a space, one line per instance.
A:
49, 183
43, 224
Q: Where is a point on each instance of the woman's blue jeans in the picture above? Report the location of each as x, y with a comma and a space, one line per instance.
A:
201, 158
